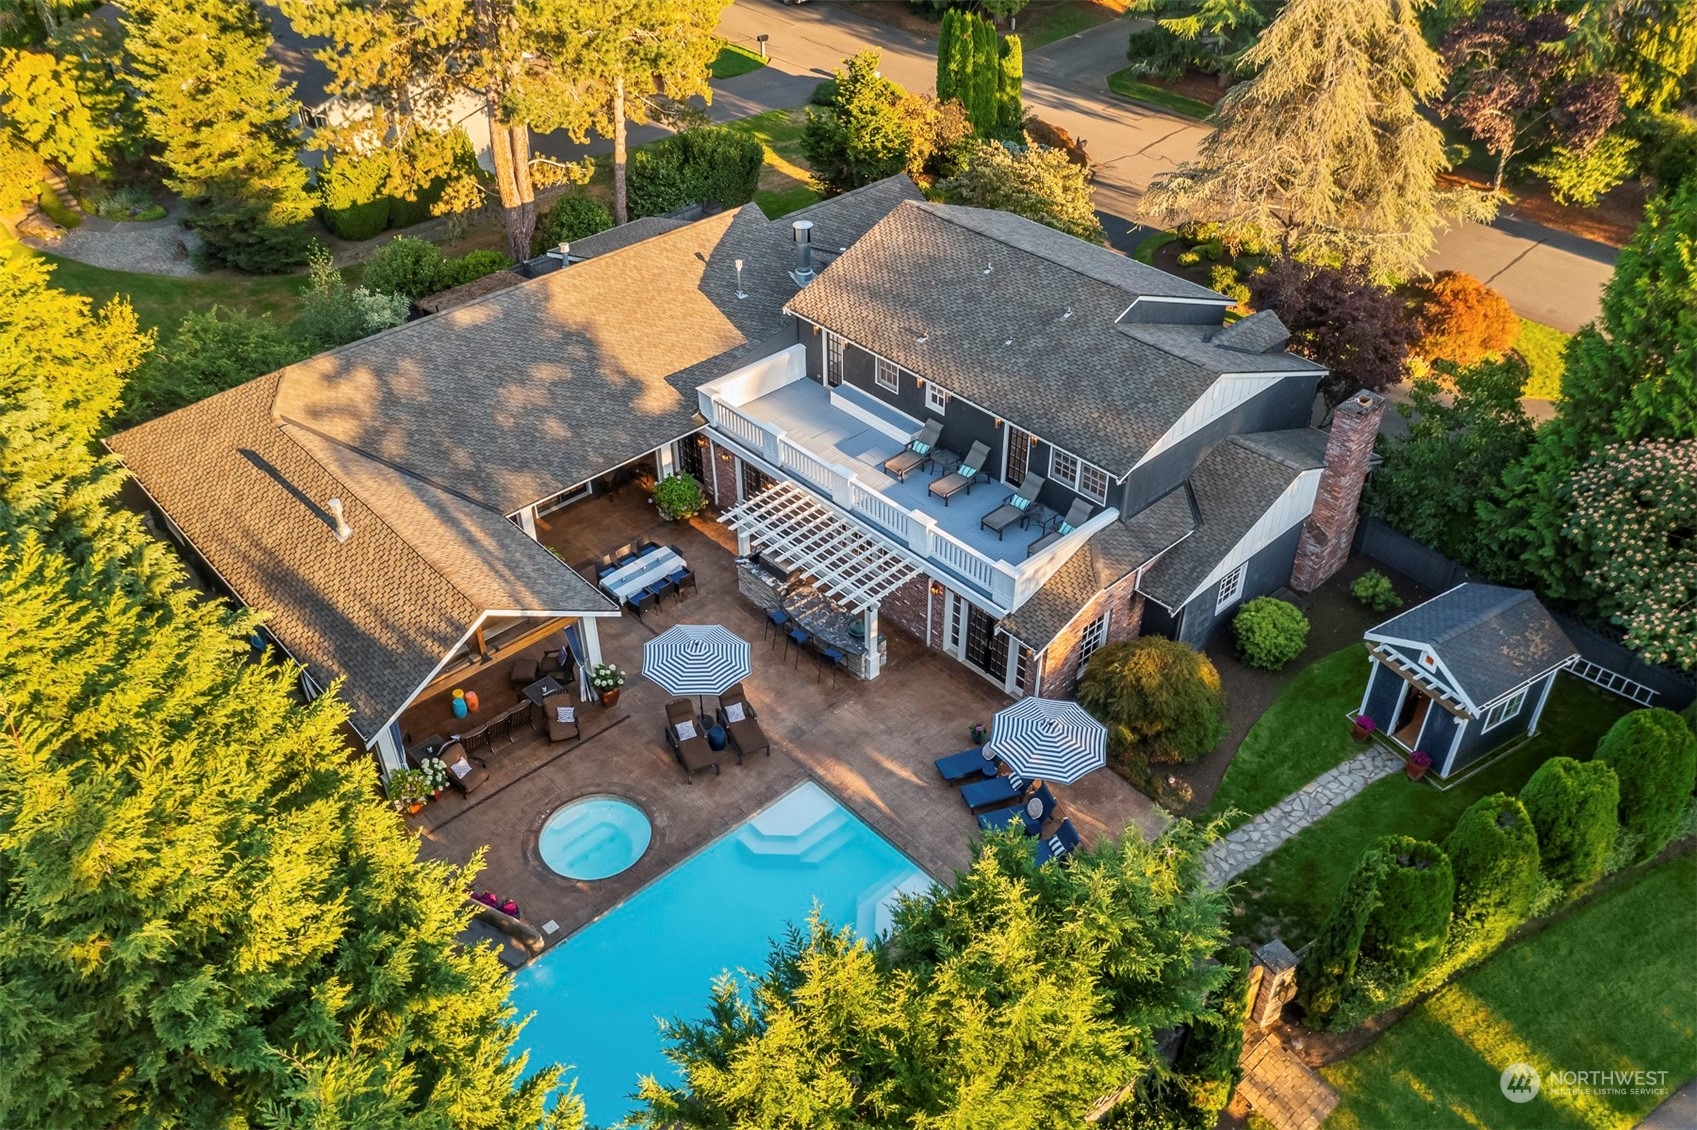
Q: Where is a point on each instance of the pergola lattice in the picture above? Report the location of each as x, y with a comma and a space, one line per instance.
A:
857, 567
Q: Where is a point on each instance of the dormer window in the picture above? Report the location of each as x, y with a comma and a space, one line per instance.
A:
1087, 479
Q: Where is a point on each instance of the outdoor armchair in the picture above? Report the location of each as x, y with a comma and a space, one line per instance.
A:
561, 729
917, 451
962, 479
1076, 517
689, 744
1016, 509
464, 774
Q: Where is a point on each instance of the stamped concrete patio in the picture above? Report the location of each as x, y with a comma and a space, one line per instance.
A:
870, 744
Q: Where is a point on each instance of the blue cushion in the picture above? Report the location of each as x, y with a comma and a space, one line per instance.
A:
678, 577
1020, 502
922, 449
1065, 528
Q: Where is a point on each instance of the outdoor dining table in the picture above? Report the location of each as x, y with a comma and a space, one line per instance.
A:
629, 580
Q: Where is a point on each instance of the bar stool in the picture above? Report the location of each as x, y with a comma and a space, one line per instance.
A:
798, 637
833, 656
776, 618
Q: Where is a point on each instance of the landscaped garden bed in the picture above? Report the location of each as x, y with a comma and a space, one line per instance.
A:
1192, 95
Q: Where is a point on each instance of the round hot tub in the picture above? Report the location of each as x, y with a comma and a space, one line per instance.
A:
595, 837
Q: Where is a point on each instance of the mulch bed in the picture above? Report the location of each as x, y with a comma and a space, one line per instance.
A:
1611, 221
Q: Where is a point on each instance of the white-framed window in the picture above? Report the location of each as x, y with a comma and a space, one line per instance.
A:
1090, 641
936, 399
888, 375
1085, 478
1504, 710
1231, 587
833, 358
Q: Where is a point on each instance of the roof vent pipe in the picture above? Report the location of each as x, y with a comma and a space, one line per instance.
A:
343, 530
563, 253
803, 273
741, 293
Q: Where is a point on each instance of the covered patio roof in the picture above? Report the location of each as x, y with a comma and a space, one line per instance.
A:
857, 567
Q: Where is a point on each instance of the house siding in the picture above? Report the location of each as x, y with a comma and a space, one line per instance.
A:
1061, 661
724, 476
1436, 733
906, 609
1200, 625
1384, 689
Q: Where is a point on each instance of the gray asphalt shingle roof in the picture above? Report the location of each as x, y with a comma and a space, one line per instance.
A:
1021, 319
1490, 638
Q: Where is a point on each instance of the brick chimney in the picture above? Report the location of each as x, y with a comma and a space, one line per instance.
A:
1329, 530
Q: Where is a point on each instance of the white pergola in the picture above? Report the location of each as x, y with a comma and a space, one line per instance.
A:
854, 566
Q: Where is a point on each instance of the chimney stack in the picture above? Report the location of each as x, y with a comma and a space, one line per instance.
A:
343, 530
803, 273
1330, 527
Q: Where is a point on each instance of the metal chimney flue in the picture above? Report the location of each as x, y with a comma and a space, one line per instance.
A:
803, 272
343, 530
741, 293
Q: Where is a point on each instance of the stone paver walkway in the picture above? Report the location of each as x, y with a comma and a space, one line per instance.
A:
1254, 841
150, 248
1281, 1088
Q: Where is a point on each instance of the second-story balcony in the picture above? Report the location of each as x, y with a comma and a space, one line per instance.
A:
836, 442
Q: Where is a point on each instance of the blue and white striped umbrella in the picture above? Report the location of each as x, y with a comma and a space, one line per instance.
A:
695, 659
1049, 739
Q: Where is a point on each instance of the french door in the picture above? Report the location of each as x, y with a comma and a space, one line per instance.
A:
1019, 452
970, 635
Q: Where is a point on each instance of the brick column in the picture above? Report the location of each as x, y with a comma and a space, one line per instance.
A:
1329, 529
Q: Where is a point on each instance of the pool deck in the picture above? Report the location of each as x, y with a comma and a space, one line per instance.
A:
870, 744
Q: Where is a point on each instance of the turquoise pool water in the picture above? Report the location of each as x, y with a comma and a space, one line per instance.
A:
594, 837
597, 994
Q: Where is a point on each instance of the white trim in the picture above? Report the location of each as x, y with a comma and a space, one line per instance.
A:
1234, 581
1229, 391
1367, 691
937, 399
1543, 697
1506, 709
1288, 511
1076, 483
1222, 302
1083, 638
878, 366
1461, 725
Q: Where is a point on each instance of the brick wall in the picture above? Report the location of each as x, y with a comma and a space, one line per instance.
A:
723, 476
1060, 660
1329, 530
904, 607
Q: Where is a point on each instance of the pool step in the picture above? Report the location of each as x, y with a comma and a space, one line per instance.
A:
793, 838
874, 911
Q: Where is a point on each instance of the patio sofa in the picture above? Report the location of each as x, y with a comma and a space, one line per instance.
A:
558, 730
747, 738
689, 744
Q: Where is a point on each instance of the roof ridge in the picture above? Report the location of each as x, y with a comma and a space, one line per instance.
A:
1513, 597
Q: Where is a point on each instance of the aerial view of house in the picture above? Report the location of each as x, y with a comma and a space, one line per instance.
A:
707, 564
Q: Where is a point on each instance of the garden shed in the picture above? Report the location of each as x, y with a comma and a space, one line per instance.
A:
1466, 671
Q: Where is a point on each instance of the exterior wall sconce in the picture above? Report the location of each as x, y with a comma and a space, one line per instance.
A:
998, 421
700, 440
936, 588
1033, 440
919, 382
724, 457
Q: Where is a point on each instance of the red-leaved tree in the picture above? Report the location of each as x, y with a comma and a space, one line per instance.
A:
1339, 317
1461, 319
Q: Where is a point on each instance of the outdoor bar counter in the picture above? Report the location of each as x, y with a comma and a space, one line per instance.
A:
770, 586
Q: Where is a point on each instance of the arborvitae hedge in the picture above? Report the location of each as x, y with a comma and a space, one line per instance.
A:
1328, 969
712, 165
1493, 851
1654, 756
1572, 805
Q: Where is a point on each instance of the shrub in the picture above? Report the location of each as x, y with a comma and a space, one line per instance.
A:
332, 314
262, 236
211, 350
353, 195
407, 266
1581, 177
1375, 590
1160, 699
825, 94
678, 496
1572, 805
20, 174
1493, 851
472, 265
1328, 968
1654, 756
1460, 319
1208, 1063
711, 165
572, 217
1189, 258
1224, 280
1270, 633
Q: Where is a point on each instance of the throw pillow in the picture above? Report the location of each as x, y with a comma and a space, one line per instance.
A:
565, 714
1034, 808
1021, 503
685, 731
461, 768
922, 449
733, 712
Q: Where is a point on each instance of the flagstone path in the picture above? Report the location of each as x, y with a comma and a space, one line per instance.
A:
1248, 845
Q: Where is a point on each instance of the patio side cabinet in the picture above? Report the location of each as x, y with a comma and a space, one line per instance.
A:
1277, 966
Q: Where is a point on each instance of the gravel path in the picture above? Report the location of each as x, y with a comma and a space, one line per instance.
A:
1248, 845
147, 249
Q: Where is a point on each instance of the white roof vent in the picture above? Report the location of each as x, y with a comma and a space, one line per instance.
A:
343, 530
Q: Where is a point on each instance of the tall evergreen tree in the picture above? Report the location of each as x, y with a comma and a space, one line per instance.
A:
1010, 80
1629, 376
1205, 35
208, 918
73, 112
213, 100
1326, 147
1651, 45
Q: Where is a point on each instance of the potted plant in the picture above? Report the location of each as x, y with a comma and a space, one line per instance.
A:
1418, 762
678, 496
979, 733
606, 679
408, 789
435, 772
1361, 727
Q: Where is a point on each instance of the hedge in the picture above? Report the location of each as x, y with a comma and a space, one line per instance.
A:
1493, 851
1654, 756
711, 165
1572, 805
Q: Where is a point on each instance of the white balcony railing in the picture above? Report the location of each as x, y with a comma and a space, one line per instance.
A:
740, 427
881, 510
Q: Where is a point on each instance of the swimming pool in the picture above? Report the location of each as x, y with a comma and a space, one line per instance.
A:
597, 994
594, 837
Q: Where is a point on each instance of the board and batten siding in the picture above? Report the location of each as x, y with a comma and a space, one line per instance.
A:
1291, 509
1200, 619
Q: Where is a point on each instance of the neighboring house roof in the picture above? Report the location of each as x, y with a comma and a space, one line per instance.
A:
381, 609
1490, 639
1021, 319
519, 395
1234, 485
467, 292
294, 53
1112, 554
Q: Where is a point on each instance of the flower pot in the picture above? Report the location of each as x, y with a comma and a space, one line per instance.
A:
415, 808
1415, 772
610, 698
1358, 731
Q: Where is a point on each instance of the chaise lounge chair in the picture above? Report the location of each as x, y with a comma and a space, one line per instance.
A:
997, 790
689, 744
1033, 814
1016, 509
972, 762
1076, 517
742, 725
1063, 843
917, 451
952, 484
464, 774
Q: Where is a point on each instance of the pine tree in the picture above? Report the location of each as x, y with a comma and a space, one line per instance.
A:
212, 99
209, 919
1326, 147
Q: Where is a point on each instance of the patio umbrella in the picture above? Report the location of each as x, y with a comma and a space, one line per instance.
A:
1049, 739
696, 659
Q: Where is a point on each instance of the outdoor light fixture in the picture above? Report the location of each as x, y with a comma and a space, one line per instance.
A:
724, 457
998, 421
700, 440
936, 588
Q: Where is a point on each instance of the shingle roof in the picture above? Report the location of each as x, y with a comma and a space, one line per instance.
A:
624, 235
527, 392
1257, 333
1021, 319
466, 292
1490, 638
382, 608
841, 221
1234, 485
1112, 554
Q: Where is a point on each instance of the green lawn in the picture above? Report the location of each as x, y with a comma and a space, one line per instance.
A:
782, 203
1609, 988
1300, 736
1145, 252
1289, 893
785, 183
1541, 346
1056, 19
735, 59
1127, 85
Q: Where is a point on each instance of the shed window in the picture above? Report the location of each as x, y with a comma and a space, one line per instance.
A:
1506, 709
1231, 587
889, 375
936, 400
